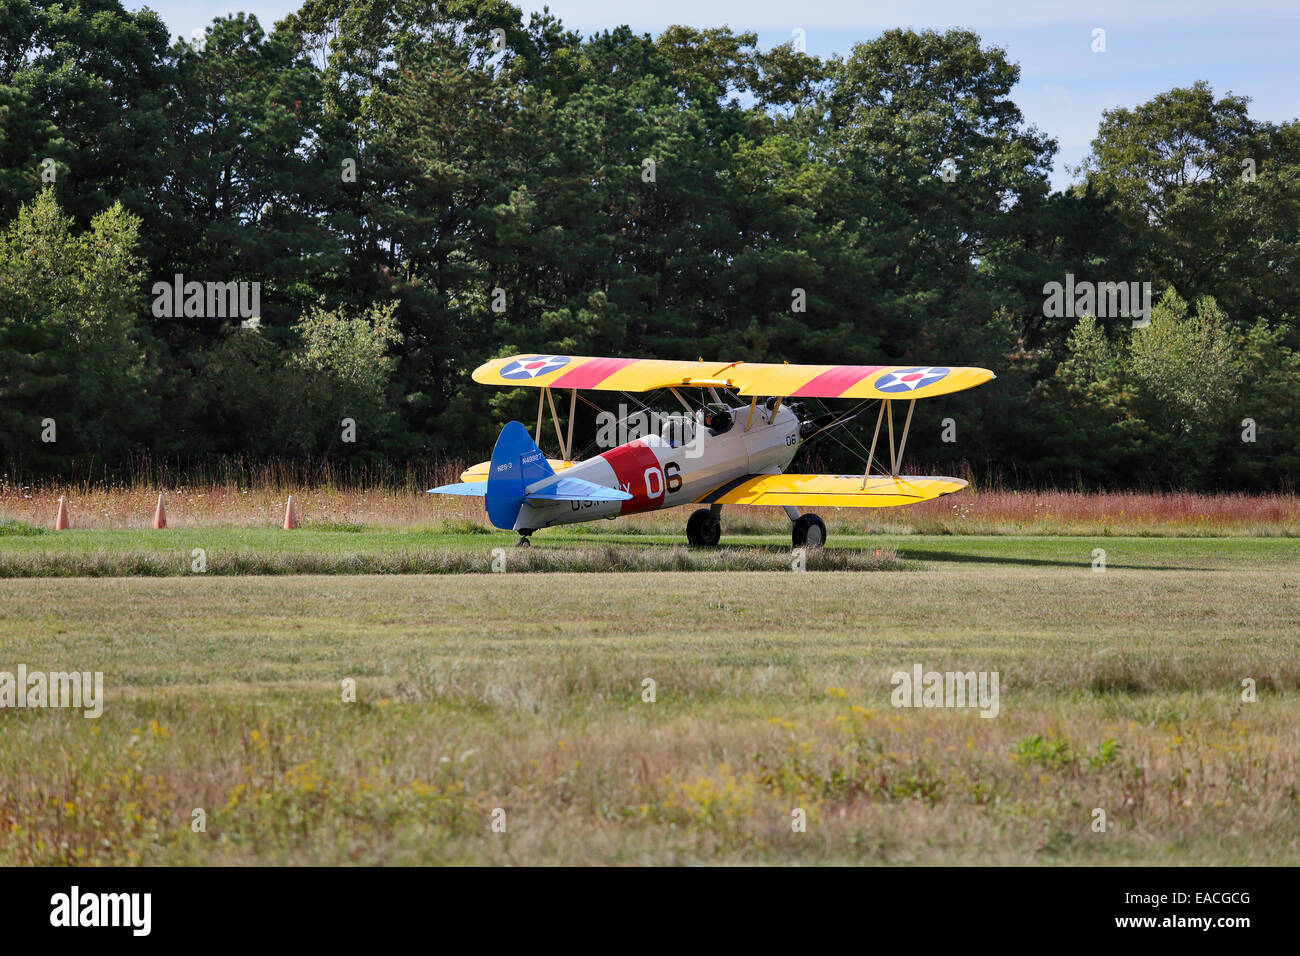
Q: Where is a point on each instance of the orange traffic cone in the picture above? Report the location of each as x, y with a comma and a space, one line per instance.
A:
290, 516
61, 519
160, 514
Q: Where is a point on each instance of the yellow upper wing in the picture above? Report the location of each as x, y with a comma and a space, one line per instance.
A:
748, 378
832, 491
480, 471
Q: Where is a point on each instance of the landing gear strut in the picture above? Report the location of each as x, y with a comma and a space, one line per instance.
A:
704, 530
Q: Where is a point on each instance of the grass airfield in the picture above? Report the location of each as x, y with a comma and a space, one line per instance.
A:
520, 698
471, 548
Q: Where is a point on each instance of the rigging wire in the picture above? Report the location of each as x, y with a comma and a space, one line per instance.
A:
629, 397
850, 451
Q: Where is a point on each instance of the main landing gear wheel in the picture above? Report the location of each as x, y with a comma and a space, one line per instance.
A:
523, 542
809, 532
704, 530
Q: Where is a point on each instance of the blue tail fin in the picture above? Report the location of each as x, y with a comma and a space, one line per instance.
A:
517, 462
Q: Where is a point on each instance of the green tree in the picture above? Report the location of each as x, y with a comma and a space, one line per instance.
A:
349, 358
1213, 194
82, 85
70, 345
1263, 447
932, 149
1152, 406
244, 193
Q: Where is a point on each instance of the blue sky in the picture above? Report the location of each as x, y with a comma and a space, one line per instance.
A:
1247, 47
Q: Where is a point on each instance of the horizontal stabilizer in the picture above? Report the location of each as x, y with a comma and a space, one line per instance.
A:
577, 489
463, 488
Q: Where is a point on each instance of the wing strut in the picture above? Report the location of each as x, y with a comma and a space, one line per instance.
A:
889, 413
895, 454
573, 407
872, 454
902, 442
555, 419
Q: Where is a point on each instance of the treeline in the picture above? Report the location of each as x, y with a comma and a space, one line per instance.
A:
415, 188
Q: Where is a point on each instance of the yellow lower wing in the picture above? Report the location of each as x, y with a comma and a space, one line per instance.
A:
832, 491
479, 472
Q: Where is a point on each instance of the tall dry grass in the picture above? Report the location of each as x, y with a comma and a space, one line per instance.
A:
231, 503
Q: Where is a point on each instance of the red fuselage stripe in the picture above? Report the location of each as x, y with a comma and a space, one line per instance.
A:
631, 462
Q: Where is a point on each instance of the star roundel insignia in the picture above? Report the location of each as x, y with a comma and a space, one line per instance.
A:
533, 366
909, 379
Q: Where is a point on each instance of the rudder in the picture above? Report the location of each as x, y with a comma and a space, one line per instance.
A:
517, 462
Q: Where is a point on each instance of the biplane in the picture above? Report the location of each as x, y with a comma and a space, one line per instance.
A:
741, 426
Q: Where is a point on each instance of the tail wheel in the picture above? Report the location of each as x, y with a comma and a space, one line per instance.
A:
809, 532
704, 529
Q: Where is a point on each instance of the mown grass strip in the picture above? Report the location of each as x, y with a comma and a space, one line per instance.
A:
136, 562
